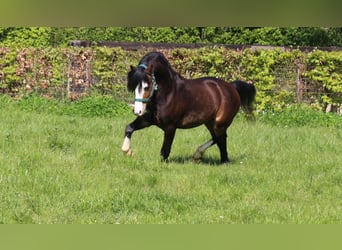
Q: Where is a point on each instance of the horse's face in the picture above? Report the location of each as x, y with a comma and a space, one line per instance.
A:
142, 82
142, 92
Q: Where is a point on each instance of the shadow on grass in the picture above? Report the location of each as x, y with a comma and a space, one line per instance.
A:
205, 161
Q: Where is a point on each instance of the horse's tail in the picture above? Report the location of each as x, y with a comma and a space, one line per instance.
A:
247, 94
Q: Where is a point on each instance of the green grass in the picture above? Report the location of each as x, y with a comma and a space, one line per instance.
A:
64, 168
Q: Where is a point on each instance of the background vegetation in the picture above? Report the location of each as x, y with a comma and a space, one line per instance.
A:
282, 36
39, 59
282, 77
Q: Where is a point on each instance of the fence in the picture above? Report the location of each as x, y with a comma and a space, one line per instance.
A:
281, 75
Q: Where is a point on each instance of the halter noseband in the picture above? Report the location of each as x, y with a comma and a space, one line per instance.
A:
154, 87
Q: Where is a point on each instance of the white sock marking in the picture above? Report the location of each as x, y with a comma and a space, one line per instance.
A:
126, 146
201, 149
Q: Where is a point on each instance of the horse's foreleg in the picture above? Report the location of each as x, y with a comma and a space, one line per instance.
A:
169, 135
201, 149
126, 146
139, 123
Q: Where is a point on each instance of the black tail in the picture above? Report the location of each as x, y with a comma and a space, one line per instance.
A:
247, 94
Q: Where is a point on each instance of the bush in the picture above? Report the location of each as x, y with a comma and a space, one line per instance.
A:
300, 116
96, 105
90, 106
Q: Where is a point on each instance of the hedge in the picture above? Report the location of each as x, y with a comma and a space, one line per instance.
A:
282, 77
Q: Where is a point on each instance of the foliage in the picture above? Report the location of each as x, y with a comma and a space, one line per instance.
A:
37, 37
282, 36
301, 116
74, 72
326, 70
9, 80
110, 68
30, 69
98, 105
273, 71
89, 106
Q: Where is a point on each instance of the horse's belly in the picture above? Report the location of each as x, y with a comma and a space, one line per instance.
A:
194, 119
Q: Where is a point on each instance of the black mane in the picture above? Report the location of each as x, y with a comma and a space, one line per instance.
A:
135, 76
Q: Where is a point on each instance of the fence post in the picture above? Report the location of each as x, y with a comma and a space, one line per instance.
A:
299, 81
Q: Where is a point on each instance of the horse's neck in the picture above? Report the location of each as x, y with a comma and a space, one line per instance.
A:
169, 88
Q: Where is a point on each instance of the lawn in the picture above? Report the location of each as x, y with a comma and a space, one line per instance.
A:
65, 168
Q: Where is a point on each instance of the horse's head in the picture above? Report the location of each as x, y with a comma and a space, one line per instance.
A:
141, 81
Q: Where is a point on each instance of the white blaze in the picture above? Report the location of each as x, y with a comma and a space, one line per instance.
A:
139, 106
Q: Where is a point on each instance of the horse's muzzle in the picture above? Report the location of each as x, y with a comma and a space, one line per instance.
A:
139, 108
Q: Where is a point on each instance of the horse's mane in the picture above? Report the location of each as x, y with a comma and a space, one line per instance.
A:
136, 75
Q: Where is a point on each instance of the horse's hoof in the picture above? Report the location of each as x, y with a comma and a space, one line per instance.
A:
225, 162
197, 160
128, 152
197, 157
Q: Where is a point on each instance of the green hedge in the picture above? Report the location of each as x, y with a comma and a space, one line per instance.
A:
73, 72
277, 36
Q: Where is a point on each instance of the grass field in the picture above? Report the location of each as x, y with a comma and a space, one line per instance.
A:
58, 168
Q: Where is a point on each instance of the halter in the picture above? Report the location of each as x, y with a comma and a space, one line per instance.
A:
154, 87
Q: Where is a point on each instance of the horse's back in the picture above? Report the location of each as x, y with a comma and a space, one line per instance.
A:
215, 88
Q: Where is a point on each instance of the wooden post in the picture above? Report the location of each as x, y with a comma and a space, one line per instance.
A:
299, 82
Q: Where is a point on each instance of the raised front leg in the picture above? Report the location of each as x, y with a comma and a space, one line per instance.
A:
126, 146
169, 135
139, 123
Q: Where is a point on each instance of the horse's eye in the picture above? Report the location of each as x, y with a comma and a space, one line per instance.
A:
144, 86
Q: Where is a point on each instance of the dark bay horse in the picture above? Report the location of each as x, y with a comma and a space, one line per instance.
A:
166, 99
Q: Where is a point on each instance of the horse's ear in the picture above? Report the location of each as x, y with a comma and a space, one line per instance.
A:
150, 69
133, 68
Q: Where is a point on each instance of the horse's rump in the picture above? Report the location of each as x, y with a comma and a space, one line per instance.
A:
204, 99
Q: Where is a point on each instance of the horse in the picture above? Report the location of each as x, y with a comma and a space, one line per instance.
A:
166, 99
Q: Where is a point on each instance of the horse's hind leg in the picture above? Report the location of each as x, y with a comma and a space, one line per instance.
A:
201, 149
219, 137
221, 142
222, 145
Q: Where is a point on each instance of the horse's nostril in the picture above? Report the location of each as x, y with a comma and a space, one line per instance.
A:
138, 113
